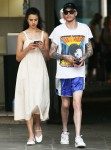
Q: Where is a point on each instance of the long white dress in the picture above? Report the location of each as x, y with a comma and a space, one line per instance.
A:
32, 85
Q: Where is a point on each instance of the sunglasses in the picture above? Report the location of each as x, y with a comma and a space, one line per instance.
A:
70, 11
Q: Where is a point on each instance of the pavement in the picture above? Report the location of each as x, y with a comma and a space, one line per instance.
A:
96, 131
96, 127
14, 137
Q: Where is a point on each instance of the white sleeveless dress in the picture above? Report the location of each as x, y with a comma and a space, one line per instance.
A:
32, 85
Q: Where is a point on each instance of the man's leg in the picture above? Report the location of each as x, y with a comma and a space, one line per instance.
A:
65, 111
65, 114
77, 96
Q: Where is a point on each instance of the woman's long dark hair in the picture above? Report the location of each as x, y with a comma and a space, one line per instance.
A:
32, 11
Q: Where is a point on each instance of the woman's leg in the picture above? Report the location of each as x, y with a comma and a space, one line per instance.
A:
38, 131
30, 127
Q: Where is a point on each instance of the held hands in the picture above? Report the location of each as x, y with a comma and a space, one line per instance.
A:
78, 62
69, 58
74, 61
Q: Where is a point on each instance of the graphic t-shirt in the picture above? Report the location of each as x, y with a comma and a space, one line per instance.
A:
70, 42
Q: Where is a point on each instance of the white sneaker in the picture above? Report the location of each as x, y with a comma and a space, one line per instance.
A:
79, 143
31, 141
64, 138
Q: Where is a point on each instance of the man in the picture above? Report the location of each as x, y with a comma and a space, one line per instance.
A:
67, 39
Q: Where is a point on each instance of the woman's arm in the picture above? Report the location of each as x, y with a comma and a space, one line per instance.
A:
44, 46
20, 53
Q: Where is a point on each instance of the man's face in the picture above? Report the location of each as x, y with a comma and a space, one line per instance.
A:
69, 14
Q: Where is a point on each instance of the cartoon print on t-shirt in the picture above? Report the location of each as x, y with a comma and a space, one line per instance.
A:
71, 45
75, 50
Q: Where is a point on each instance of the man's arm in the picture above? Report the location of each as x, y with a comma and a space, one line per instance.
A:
53, 52
55, 55
89, 50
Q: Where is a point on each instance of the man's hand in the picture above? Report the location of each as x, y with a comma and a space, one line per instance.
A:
81, 62
69, 58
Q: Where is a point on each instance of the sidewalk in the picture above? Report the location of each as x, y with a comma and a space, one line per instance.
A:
96, 127
14, 137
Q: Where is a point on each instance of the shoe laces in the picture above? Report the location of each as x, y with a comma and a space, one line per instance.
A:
65, 135
79, 138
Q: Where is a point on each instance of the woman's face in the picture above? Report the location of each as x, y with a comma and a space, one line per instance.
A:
32, 21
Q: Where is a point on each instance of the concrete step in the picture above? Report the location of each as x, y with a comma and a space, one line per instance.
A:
8, 118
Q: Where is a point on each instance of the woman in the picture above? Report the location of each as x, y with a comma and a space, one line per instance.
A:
32, 85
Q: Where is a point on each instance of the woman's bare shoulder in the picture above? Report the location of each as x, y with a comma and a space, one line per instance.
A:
21, 35
45, 34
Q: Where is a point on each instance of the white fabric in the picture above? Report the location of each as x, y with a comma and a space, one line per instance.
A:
70, 42
32, 86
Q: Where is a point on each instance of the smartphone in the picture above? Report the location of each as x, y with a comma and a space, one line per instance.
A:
78, 61
36, 42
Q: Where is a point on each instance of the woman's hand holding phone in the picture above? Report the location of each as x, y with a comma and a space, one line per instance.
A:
39, 44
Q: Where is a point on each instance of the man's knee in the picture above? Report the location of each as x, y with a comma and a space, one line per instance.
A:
65, 105
77, 105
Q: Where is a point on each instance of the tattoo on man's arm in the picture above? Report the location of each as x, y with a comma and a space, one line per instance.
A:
53, 52
89, 50
56, 55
